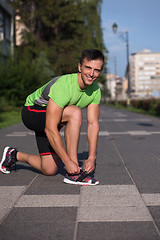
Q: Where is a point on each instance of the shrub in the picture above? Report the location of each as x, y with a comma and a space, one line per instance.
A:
150, 106
146, 104
19, 77
156, 108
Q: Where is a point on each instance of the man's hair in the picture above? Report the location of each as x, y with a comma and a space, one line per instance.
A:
91, 54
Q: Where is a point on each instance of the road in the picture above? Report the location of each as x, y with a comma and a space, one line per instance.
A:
126, 204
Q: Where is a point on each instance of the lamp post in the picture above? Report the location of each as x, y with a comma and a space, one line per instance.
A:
125, 38
114, 60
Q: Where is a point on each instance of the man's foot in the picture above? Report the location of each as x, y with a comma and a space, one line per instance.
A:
82, 178
8, 159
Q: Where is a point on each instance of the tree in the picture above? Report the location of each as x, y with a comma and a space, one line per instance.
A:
61, 28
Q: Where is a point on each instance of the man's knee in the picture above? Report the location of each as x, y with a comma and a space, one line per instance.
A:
49, 165
49, 172
73, 115
76, 114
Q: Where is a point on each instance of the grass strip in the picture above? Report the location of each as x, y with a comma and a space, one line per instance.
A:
132, 109
10, 118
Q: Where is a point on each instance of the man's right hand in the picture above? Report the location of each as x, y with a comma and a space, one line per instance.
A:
72, 167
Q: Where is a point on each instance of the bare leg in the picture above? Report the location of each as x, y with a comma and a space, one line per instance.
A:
73, 116
48, 164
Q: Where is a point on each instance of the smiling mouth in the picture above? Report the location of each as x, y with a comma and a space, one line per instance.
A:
90, 79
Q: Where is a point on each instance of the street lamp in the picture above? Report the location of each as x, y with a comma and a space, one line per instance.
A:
124, 37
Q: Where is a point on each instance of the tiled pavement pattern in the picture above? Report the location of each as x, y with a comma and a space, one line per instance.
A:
126, 204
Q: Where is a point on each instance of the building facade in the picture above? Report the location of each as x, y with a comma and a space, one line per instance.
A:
6, 29
117, 86
145, 73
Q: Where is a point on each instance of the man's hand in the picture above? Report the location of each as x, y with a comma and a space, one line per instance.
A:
72, 167
89, 165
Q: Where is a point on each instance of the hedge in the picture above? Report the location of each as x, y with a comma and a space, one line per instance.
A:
150, 106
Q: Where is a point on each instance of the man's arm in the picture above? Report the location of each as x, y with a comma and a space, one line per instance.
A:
92, 132
53, 118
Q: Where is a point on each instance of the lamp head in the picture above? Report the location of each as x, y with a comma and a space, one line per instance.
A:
114, 27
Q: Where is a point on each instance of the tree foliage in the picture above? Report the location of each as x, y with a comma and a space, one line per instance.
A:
56, 32
63, 28
20, 77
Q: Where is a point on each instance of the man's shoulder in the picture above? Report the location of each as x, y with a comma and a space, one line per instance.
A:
64, 80
68, 77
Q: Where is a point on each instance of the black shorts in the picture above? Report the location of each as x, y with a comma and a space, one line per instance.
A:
34, 118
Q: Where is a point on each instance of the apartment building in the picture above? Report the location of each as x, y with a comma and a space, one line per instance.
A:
6, 29
145, 73
117, 86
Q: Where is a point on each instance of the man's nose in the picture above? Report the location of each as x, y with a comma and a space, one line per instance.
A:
92, 72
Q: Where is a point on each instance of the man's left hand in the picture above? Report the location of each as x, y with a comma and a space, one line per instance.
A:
89, 165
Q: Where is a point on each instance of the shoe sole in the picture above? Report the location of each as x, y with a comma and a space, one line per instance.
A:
3, 169
80, 183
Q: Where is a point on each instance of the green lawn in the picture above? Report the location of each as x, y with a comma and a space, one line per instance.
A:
10, 118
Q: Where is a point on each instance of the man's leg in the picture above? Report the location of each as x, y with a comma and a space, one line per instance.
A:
47, 164
73, 116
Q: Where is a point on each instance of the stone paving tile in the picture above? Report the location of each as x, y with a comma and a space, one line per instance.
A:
48, 201
39, 223
109, 168
21, 177
113, 214
4, 211
47, 180
8, 196
110, 190
38, 230
59, 188
116, 231
111, 196
151, 199
42, 214
155, 212
112, 203
144, 168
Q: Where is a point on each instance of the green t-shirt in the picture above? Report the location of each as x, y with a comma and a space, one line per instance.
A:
65, 91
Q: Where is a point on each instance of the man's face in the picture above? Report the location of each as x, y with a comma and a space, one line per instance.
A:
90, 70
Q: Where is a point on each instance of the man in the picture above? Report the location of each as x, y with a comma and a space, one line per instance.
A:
58, 103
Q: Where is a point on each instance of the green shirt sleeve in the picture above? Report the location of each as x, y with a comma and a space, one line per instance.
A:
60, 93
97, 95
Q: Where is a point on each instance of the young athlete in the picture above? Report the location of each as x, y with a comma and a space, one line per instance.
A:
58, 103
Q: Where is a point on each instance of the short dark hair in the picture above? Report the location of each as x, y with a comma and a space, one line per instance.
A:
91, 54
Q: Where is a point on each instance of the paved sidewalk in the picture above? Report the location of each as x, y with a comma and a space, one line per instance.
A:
126, 204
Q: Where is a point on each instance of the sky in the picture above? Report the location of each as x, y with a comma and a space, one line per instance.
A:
142, 20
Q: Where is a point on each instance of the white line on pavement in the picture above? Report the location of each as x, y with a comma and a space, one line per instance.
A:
101, 133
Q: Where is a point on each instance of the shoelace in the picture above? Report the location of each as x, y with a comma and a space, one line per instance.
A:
83, 175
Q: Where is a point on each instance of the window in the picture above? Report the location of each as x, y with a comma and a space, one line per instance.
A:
1, 25
149, 68
5, 25
5, 32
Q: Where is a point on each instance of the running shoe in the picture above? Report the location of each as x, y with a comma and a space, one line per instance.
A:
83, 179
8, 159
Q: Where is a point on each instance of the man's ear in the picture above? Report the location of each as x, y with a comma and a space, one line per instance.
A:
79, 67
